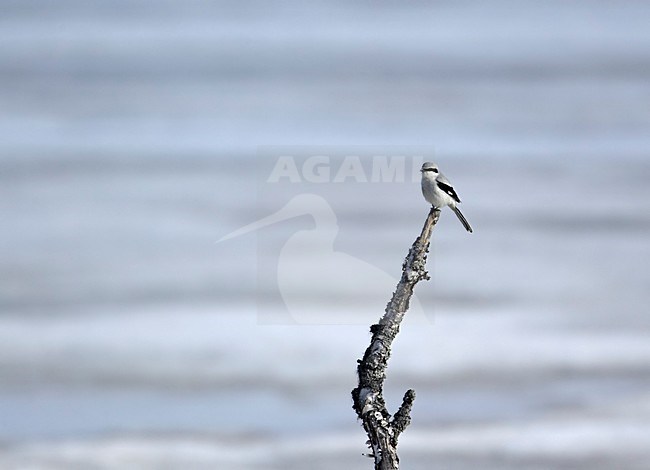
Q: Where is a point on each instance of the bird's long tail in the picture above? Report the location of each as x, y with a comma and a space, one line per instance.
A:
462, 219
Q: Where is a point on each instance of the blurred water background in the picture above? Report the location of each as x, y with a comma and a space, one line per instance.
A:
128, 137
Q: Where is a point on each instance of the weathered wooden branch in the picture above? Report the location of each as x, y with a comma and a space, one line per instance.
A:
368, 400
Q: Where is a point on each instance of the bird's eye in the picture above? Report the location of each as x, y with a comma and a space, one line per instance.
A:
435, 170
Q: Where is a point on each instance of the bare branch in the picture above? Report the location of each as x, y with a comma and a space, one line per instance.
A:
368, 400
402, 418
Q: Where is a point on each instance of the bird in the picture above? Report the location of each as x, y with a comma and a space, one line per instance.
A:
311, 274
439, 192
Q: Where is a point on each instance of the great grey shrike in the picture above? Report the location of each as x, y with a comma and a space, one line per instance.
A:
439, 192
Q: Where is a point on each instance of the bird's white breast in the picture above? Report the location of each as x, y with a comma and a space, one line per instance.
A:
433, 194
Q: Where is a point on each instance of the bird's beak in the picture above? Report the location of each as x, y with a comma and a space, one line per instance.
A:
292, 209
279, 216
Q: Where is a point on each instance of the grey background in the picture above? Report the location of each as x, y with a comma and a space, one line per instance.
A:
129, 132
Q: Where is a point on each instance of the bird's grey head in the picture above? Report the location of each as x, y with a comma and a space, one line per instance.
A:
429, 169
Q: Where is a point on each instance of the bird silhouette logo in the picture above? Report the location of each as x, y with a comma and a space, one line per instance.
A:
312, 275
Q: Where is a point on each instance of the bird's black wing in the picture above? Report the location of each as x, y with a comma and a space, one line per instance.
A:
449, 190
